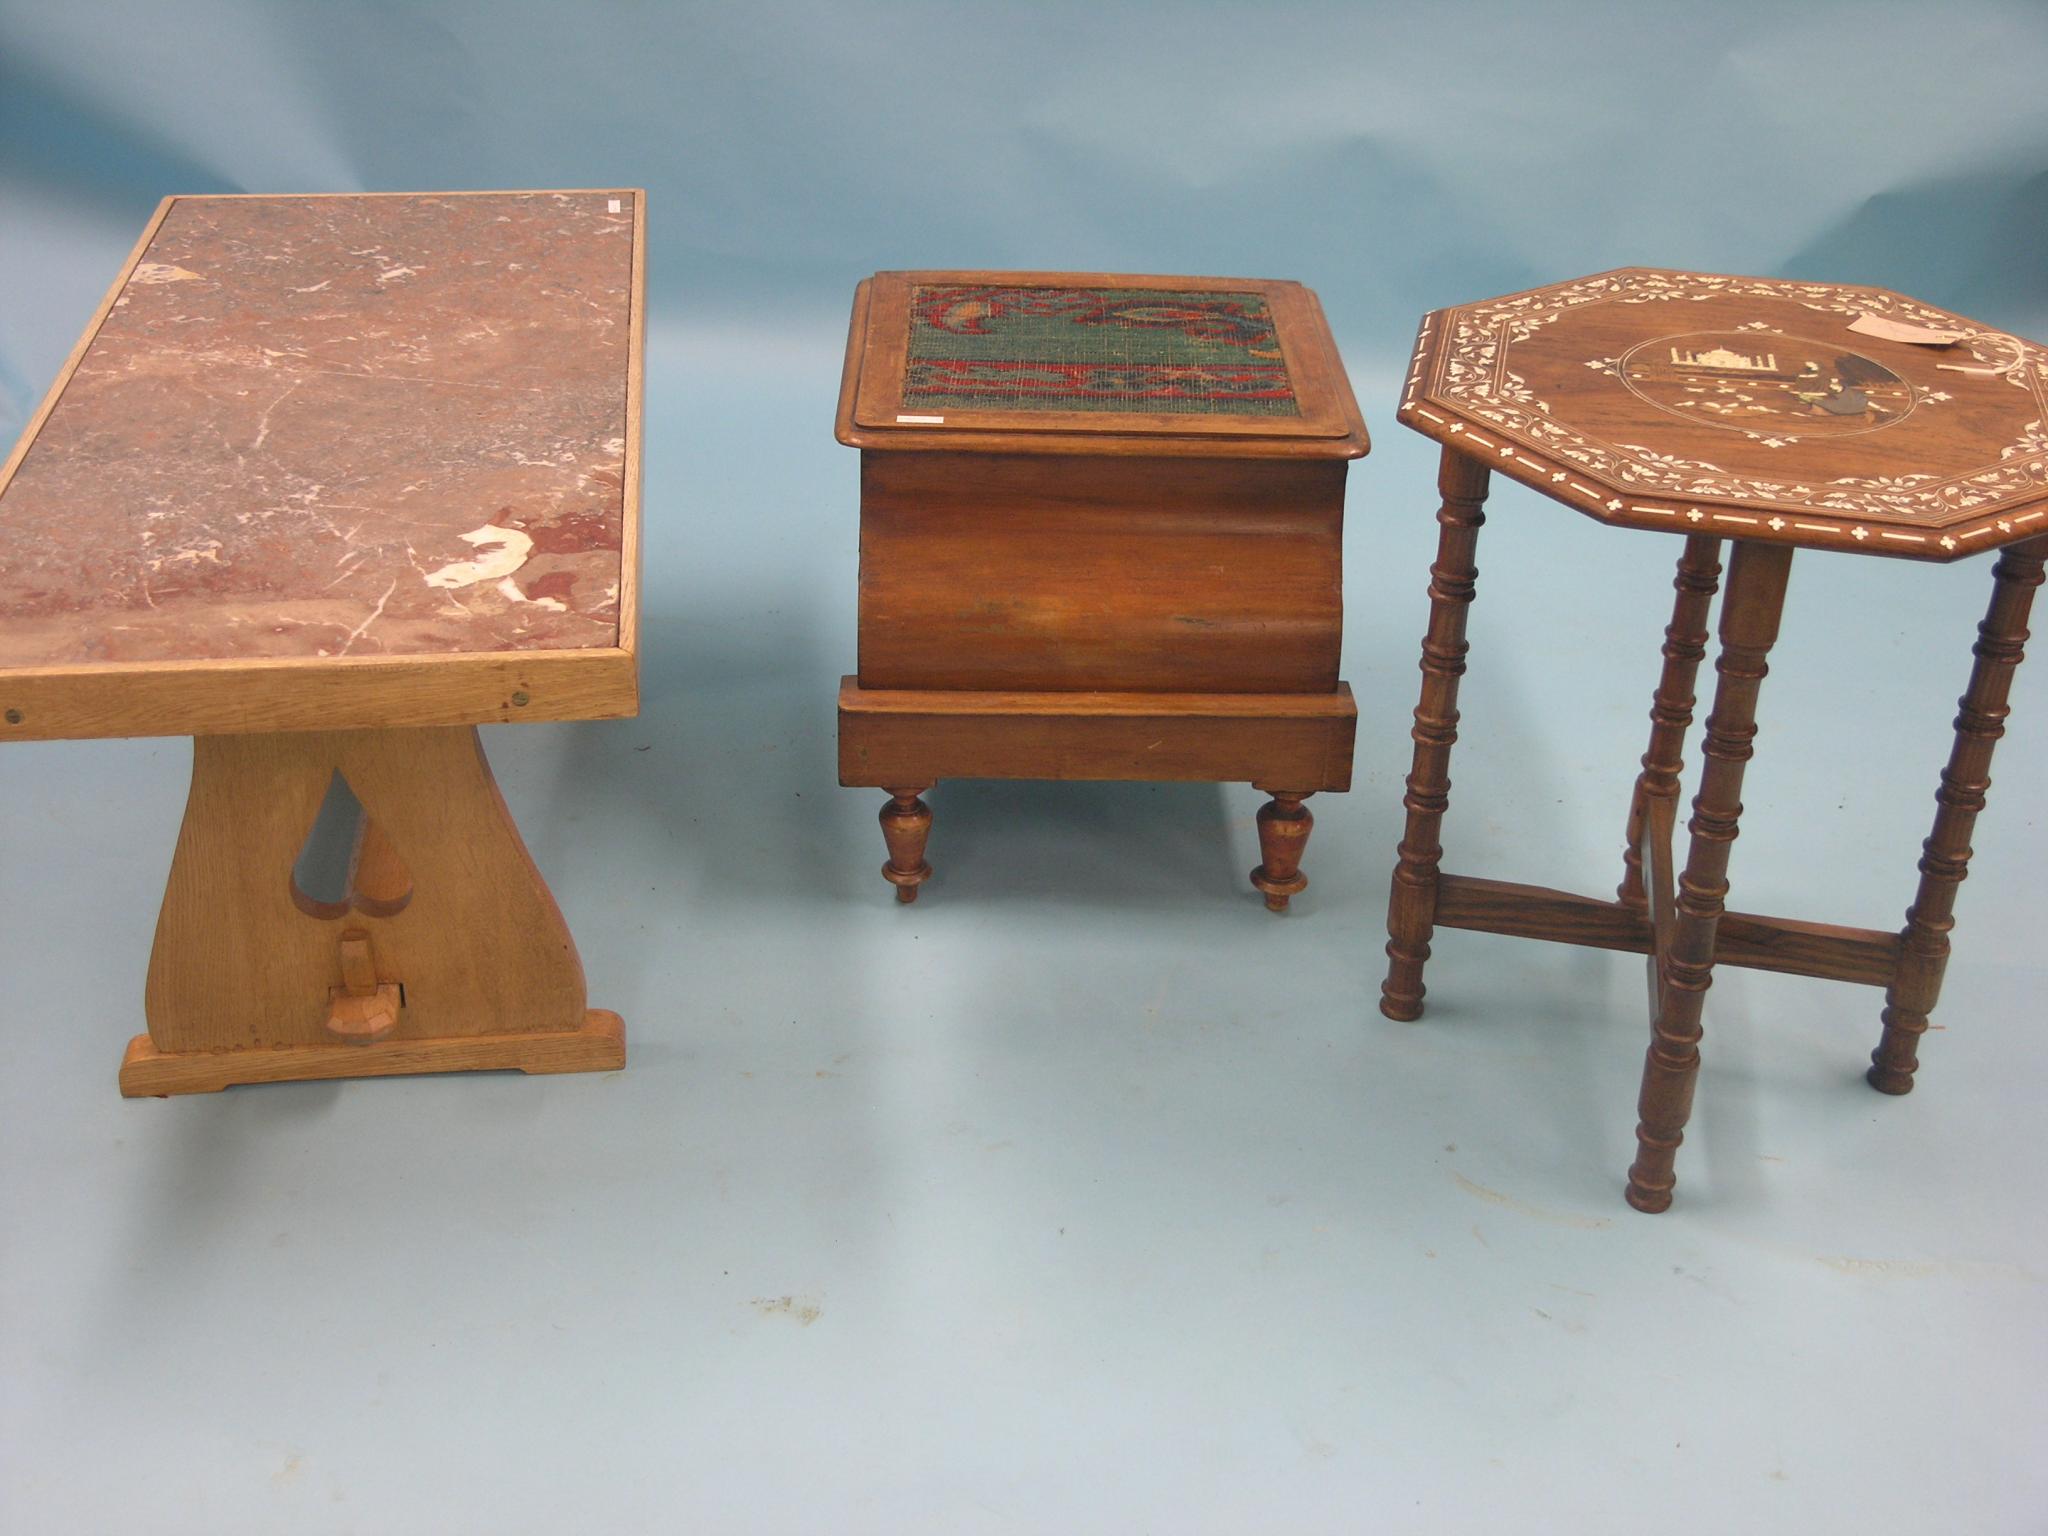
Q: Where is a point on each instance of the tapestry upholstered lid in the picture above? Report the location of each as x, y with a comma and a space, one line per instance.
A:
935, 356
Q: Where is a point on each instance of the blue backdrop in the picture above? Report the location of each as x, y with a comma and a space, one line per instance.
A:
1395, 157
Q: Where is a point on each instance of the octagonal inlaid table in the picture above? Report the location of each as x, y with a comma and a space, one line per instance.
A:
1101, 538
1774, 415
328, 481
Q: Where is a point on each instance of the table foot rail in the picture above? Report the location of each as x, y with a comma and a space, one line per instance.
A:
598, 1046
1863, 955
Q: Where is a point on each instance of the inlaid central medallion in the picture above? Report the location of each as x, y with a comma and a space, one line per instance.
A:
1764, 382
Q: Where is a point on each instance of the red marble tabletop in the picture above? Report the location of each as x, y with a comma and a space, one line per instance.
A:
313, 428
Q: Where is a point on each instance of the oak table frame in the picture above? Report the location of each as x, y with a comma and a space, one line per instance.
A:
1501, 386
445, 950
1142, 588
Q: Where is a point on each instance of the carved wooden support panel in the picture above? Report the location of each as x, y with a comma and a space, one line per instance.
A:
445, 952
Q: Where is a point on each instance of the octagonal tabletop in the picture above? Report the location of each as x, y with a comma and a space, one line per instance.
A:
1757, 408
334, 462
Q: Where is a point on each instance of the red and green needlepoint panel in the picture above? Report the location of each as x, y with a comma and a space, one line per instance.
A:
1095, 349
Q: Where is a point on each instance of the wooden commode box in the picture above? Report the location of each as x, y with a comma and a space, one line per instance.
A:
1101, 538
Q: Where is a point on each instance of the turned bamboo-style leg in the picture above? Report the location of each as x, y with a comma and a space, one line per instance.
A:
1685, 645
446, 953
1749, 627
1284, 826
1945, 859
1411, 913
906, 823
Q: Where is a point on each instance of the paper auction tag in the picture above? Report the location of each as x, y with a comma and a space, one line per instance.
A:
1901, 330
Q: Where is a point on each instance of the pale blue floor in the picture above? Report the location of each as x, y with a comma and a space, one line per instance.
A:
1083, 1196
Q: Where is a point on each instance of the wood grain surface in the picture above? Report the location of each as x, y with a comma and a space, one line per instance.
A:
1294, 742
1034, 571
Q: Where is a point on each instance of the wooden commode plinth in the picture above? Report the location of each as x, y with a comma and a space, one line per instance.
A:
1101, 538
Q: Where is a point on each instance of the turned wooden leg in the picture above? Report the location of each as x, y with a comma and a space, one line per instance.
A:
1685, 644
1284, 826
1411, 912
1945, 860
906, 823
445, 953
1749, 626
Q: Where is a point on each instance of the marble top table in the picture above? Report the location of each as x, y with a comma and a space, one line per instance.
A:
313, 444
323, 467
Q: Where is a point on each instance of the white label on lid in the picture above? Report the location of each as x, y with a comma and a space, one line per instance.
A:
920, 421
1901, 330
612, 206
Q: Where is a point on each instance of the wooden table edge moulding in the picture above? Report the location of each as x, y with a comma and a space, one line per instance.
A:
1078, 717
1477, 386
443, 950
